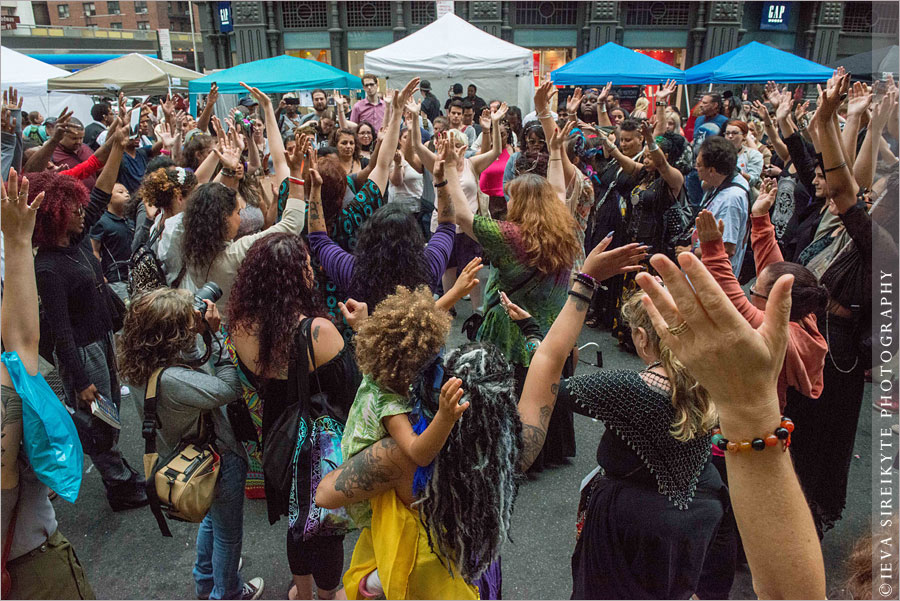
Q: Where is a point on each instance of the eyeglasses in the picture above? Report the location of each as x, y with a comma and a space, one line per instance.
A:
755, 293
370, 85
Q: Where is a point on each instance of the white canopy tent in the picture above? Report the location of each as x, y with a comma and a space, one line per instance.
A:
29, 76
449, 51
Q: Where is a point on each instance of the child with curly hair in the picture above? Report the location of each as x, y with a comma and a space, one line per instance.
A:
394, 345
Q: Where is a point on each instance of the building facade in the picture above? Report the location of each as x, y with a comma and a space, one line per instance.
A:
54, 30
679, 33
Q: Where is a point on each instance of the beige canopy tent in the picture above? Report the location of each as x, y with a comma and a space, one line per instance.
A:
133, 74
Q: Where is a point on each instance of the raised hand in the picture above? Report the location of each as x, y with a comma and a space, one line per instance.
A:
514, 311
766, 198
400, 99
542, 96
448, 403
501, 111
783, 110
485, 119
413, 107
762, 112
559, 137
666, 90
168, 106
17, 216
11, 99
263, 99
604, 93
859, 99
830, 98
574, 101
8, 122
647, 131
707, 229
296, 157
355, 312
602, 264
773, 94
801, 111
468, 277
737, 364
881, 112
227, 151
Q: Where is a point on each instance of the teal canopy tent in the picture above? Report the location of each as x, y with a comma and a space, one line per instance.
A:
274, 75
757, 63
611, 62
869, 66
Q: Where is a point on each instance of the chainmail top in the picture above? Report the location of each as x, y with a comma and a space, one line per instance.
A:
641, 415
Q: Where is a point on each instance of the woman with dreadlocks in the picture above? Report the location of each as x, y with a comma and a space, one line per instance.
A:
466, 501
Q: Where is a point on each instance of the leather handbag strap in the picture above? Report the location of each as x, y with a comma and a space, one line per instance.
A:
148, 431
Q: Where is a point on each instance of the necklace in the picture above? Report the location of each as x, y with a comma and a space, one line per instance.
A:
87, 264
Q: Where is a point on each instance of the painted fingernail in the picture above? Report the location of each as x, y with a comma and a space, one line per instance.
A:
609, 235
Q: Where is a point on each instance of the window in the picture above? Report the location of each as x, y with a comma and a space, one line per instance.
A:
112, 8
870, 17
143, 25
115, 25
63, 10
9, 11
422, 13
368, 14
90, 9
140, 6
304, 15
546, 13
657, 14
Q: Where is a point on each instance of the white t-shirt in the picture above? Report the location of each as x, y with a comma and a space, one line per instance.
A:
410, 189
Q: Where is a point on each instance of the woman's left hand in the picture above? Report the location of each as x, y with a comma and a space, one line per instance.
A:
602, 264
515, 312
263, 100
211, 320
18, 217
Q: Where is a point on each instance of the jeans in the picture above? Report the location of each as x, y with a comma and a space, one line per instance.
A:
120, 289
694, 189
99, 439
221, 534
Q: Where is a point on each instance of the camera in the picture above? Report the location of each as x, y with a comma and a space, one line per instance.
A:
209, 291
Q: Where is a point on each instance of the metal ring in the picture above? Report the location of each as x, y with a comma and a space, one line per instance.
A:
679, 329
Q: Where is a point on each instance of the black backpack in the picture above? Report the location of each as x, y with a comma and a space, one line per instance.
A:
146, 272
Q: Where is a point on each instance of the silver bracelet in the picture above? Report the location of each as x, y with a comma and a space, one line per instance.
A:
652, 147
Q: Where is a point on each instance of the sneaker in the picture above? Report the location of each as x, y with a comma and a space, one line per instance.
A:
252, 589
370, 586
127, 496
125, 391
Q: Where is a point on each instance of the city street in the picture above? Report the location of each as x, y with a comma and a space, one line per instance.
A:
126, 557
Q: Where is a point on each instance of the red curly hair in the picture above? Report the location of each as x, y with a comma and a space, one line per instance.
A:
62, 193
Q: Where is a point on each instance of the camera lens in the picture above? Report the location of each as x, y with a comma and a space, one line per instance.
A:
209, 291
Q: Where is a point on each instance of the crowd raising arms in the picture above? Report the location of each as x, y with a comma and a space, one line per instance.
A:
735, 353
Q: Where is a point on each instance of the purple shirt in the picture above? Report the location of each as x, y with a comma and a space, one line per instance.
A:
339, 264
365, 111
61, 156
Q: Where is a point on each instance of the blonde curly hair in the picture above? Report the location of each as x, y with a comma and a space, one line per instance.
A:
402, 334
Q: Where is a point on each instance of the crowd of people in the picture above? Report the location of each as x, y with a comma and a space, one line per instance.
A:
282, 284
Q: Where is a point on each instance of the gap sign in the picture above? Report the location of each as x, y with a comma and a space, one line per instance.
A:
775, 16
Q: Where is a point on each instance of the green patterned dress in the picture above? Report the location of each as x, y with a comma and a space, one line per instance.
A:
541, 295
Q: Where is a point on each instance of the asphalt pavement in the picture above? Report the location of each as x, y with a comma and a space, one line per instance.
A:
126, 557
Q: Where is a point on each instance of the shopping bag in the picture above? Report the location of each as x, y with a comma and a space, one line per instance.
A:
48, 432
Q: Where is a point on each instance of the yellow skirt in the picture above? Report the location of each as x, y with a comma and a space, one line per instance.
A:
397, 544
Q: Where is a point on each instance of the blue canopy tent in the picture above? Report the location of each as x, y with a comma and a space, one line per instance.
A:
757, 63
870, 66
272, 75
611, 62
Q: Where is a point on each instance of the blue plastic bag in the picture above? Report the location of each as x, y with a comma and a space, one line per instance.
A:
49, 436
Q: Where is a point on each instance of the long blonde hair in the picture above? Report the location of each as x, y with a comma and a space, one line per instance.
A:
546, 226
695, 413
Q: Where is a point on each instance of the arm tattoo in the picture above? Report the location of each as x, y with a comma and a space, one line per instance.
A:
580, 305
365, 470
316, 333
533, 437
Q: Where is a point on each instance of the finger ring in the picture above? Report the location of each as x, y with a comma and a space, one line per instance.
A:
679, 329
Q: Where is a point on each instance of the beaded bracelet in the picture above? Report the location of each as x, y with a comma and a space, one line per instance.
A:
587, 280
782, 433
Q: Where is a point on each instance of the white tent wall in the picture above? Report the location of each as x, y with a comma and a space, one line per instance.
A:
51, 105
515, 91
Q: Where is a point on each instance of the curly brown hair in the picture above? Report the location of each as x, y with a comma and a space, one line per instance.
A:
275, 262
160, 188
404, 332
159, 328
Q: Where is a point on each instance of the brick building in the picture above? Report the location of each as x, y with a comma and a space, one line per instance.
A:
147, 15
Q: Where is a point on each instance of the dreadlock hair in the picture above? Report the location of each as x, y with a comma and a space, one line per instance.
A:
695, 412
390, 251
403, 333
467, 505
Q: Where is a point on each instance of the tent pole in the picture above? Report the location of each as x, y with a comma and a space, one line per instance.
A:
710, 87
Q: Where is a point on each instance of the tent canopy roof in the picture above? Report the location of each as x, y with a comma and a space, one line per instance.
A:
755, 62
28, 75
130, 74
870, 65
620, 65
277, 74
449, 47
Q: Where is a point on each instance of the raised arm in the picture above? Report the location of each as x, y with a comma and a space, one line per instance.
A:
39, 160
379, 175
777, 143
739, 367
602, 116
841, 185
556, 174
110, 172
339, 106
273, 133
480, 162
415, 138
864, 169
450, 157
542, 382
629, 166
209, 108
316, 214
663, 94
859, 99
672, 176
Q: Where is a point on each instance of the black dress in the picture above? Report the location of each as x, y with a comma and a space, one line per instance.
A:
654, 508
